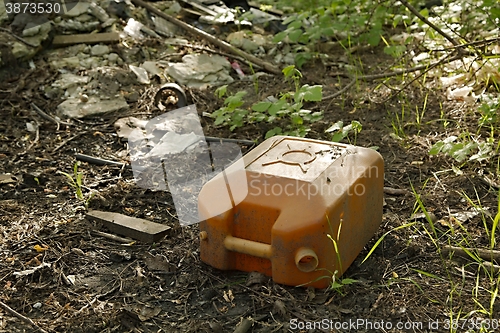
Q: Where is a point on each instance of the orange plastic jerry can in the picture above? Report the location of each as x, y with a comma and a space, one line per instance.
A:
298, 210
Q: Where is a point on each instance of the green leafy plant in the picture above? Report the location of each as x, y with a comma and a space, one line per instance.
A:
231, 114
468, 147
341, 132
489, 115
290, 107
464, 149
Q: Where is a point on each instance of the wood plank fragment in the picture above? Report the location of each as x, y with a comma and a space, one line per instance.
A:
105, 37
140, 229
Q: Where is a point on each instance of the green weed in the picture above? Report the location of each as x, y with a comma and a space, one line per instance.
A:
231, 114
341, 132
289, 107
75, 180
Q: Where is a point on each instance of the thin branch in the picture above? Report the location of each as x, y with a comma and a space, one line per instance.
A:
20, 316
340, 92
481, 253
46, 116
65, 142
430, 24
112, 237
214, 40
428, 67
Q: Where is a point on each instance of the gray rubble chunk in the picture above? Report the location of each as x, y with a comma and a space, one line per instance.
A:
67, 80
77, 8
201, 71
99, 50
75, 108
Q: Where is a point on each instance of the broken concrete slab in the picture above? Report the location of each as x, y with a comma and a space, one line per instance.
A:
75, 108
77, 8
105, 38
201, 71
140, 229
68, 80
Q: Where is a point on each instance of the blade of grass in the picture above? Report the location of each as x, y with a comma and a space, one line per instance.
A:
384, 235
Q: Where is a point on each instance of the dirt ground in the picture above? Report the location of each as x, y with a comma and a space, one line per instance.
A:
82, 282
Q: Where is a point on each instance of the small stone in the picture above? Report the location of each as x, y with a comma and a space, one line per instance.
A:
72, 62
90, 62
99, 50
113, 57
84, 18
37, 305
75, 108
84, 98
82, 56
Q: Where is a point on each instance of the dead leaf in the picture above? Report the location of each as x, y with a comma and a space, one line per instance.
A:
145, 312
311, 294
129, 210
450, 222
255, 278
78, 251
40, 249
279, 308
229, 297
7, 178
158, 263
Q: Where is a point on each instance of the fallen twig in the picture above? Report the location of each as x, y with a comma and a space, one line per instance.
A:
483, 42
46, 116
396, 191
20, 316
97, 161
65, 142
491, 266
340, 92
214, 40
112, 237
430, 24
481, 253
